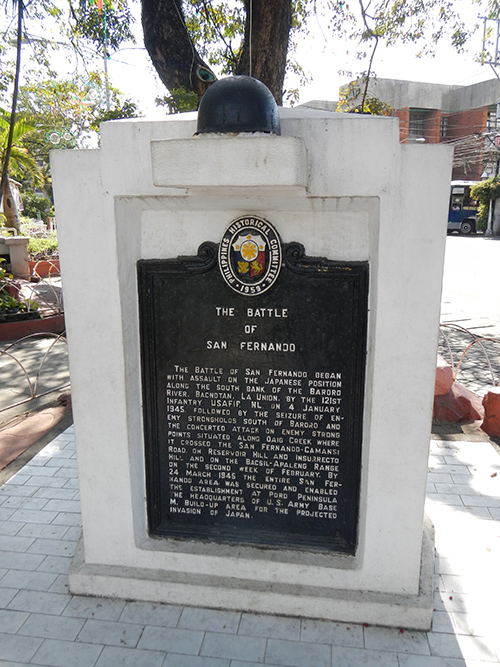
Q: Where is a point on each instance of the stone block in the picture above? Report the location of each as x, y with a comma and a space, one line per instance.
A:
491, 403
444, 377
457, 405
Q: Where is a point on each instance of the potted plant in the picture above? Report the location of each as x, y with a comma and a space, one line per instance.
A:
12, 306
44, 256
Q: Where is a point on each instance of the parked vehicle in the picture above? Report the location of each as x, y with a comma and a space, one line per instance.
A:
463, 210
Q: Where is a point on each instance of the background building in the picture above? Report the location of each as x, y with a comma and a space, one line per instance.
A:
465, 116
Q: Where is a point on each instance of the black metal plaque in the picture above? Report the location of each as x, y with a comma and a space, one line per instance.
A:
253, 404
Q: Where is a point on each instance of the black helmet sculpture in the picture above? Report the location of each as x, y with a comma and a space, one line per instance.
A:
238, 104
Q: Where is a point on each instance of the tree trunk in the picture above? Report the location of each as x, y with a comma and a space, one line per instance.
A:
178, 64
9, 206
170, 47
266, 39
6, 198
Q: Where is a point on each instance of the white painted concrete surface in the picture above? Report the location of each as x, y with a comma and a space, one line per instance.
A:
361, 201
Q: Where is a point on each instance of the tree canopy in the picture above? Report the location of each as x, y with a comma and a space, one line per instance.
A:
190, 42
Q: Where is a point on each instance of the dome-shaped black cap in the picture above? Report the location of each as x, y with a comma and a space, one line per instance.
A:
238, 104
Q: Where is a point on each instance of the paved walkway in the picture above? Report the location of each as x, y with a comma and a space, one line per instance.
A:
42, 624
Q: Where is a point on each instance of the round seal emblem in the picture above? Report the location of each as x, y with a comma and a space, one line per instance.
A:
250, 255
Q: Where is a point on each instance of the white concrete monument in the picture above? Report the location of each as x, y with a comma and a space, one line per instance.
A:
347, 190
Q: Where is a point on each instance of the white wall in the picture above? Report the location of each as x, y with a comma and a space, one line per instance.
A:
349, 191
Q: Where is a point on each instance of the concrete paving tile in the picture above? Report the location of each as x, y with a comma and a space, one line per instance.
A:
462, 489
110, 632
10, 527
66, 472
18, 479
62, 461
63, 505
53, 547
113, 656
19, 561
467, 478
465, 584
479, 648
171, 640
60, 585
58, 653
73, 533
241, 663
481, 501
406, 660
18, 648
39, 601
447, 565
478, 624
38, 481
391, 639
57, 564
447, 498
6, 595
329, 632
61, 452
96, 608
213, 620
274, 627
460, 646
495, 513
34, 581
357, 657
11, 621
448, 469
68, 519
5, 514
441, 478
218, 645
72, 484
177, 660
470, 511
55, 493
436, 458
442, 622
19, 544
298, 654
37, 471
42, 530
33, 516
462, 603
52, 627
27, 503
17, 490
150, 613
39, 460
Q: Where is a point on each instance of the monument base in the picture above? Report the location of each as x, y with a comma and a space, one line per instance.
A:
173, 587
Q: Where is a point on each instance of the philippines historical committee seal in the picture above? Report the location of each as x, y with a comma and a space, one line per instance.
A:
250, 255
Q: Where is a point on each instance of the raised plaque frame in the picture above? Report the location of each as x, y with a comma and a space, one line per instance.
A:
326, 304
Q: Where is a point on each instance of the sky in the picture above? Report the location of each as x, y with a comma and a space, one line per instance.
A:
322, 58
130, 69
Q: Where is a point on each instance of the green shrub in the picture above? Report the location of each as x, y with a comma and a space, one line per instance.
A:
484, 192
9, 304
45, 248
37, 206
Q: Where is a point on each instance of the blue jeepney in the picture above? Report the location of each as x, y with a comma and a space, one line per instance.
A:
463, 210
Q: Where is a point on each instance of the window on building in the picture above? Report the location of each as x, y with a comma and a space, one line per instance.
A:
443, 129
493, 122
417, 122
